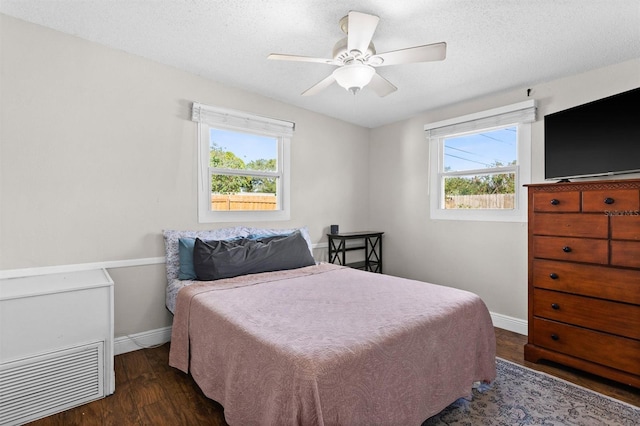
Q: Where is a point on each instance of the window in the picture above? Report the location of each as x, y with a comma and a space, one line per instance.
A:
479, 163
243, 166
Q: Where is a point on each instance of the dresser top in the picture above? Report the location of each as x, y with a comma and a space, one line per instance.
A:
586, 185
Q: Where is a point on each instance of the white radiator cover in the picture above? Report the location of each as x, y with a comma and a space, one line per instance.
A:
56, 343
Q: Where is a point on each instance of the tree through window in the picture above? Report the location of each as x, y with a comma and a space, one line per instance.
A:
243, 166
244, 171
479, 163
480, 169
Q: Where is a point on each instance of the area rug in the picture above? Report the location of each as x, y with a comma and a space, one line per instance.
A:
522, 396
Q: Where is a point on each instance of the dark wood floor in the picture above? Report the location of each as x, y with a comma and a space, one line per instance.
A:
149, 392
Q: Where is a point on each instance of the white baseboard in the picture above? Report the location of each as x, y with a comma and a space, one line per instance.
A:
509, 323
142, 340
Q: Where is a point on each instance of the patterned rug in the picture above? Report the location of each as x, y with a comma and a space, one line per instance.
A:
521, 396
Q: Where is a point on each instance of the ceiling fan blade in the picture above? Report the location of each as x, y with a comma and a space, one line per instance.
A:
381, 85
280, 57
426, 53
360, 32
318, 87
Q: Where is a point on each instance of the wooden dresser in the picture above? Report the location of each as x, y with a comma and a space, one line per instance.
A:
584, 277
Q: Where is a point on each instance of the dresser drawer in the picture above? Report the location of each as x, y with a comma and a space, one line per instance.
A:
557, 201
617, 352
586, 250
625, 227
610, 317
625, 253
611, 200
603, 282
571, 225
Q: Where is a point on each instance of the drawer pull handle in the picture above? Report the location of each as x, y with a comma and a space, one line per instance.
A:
553, 276
555, 337
555, 306
609, 200
555, 202
566, 249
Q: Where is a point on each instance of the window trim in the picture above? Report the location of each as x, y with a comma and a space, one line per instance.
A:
212, 117
520, 115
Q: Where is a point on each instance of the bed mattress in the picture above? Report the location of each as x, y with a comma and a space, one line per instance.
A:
328, 345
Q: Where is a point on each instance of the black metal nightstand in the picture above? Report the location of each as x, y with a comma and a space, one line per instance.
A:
371, 244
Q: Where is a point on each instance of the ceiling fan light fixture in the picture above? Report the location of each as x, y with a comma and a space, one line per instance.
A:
356, 57
354, 77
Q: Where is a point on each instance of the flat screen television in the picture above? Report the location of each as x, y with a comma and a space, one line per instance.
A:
595, 139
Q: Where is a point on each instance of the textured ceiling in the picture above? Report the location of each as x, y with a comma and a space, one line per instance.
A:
492, 45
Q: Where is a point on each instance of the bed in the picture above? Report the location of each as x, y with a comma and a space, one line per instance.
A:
324, 344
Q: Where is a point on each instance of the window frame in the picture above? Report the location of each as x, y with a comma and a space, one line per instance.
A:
225, 119
521, 116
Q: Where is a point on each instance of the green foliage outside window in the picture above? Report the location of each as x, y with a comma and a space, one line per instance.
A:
499, 183
226, 184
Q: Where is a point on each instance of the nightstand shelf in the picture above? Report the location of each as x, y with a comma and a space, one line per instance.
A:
370, 242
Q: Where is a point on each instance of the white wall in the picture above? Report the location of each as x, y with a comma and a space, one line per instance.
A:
487, 258
98, 156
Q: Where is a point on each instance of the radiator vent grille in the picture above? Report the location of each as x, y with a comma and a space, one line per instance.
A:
47, 384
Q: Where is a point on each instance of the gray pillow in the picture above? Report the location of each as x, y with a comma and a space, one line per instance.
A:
214, 260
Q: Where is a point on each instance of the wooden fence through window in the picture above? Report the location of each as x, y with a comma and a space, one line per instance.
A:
238, 202
482, 201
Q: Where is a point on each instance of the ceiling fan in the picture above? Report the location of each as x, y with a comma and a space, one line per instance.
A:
356, 57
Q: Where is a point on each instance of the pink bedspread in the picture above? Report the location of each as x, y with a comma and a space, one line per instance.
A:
327, 345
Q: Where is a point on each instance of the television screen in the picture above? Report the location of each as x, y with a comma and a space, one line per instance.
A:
595, 139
